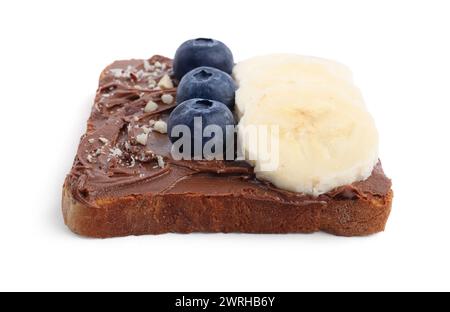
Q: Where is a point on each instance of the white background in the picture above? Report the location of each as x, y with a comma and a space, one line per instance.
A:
51, 55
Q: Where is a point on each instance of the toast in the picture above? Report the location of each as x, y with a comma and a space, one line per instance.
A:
125, 182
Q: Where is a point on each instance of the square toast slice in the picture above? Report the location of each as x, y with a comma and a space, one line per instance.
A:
125, 182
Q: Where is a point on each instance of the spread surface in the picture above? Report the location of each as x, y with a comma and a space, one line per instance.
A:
125, 150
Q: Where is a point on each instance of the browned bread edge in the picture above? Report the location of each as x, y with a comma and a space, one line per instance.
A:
187, 213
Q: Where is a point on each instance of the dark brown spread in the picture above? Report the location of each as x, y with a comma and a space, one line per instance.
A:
112, 162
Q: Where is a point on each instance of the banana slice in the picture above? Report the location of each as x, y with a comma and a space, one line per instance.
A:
318, 134
255, 75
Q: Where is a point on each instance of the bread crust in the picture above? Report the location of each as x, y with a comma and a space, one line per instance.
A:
187, 213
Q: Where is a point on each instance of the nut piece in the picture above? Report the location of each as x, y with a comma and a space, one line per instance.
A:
150, 107
151, 83
140, 74
160, 126
142, 138
91, 141
161, 162
165, 82
90, 158
117, 72
167, 99
103, 140
116, 152
146, 129
147, 66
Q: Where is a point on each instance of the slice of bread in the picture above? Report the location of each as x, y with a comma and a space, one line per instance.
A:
124, 181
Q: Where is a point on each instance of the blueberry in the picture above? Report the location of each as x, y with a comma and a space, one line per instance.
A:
202, 52
194, 116
207, 83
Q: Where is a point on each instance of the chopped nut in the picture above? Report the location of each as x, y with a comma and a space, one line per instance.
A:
160, 126
165, 82
167, 99
116, 152
146, 129
147, 66
140, 74
128, 71
103, 140
142, 138
161, 162
91, 141
90, 158
150, 107
117, 72
132, 162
